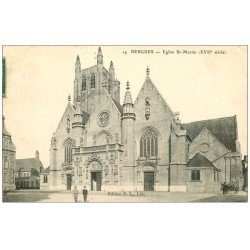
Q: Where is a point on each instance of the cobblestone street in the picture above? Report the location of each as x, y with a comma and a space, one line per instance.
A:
36, 196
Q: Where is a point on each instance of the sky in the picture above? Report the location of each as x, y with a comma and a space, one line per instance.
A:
200, 86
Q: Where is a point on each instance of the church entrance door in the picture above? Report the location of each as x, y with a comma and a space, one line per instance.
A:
69, 181
149, 181
96, 181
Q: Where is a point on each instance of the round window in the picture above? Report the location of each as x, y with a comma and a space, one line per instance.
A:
204, 147
103, 118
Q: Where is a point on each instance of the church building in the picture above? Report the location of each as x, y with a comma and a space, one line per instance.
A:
138, 145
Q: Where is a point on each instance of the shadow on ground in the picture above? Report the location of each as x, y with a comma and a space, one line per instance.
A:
25, 197
224, 198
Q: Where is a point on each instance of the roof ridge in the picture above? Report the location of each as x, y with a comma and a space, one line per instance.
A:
211, 119
26, 158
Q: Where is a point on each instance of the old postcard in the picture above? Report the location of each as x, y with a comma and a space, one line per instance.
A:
124, 124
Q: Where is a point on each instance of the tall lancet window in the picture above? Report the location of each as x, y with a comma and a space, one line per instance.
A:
68, 146
68, 124
147, 108
84, 83
149, 143
92, 81
109, 87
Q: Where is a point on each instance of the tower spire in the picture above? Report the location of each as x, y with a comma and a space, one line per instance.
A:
112, 70
111, 65
77, 65
99, 57
128, 97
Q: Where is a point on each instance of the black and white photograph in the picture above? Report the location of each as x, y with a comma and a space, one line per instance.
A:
118, 123
124, 125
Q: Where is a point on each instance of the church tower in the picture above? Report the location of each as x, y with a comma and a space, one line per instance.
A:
89, 83
128, 121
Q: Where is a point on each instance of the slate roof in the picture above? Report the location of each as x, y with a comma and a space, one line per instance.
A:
200, 161
118, 105
224, 129
28, 164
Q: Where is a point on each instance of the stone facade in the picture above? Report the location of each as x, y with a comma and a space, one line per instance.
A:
9, 160
245, 172
140, 145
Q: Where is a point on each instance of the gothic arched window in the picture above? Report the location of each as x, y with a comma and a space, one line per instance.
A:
84, 83
92, 81
147, 108
68, 145
149, 143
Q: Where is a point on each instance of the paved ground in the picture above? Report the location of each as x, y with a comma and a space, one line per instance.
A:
42, 196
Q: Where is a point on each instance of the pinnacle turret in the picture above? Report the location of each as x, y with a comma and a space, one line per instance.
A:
78, 125
128, 97
112, 70
128, 106
78, 106
99, 50
77, 65
99, 57
111, 65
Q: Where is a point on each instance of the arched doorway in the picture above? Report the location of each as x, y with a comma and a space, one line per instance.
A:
149, 181
96, 180
95, 169
149, 178
68, 179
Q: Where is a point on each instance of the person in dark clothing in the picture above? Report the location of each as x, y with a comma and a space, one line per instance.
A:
224, 188
85, 193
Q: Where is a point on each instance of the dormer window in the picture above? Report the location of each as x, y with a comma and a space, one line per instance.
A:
92, 81
147, 109
84, 83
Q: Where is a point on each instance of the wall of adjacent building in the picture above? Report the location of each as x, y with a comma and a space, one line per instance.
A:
9, 161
